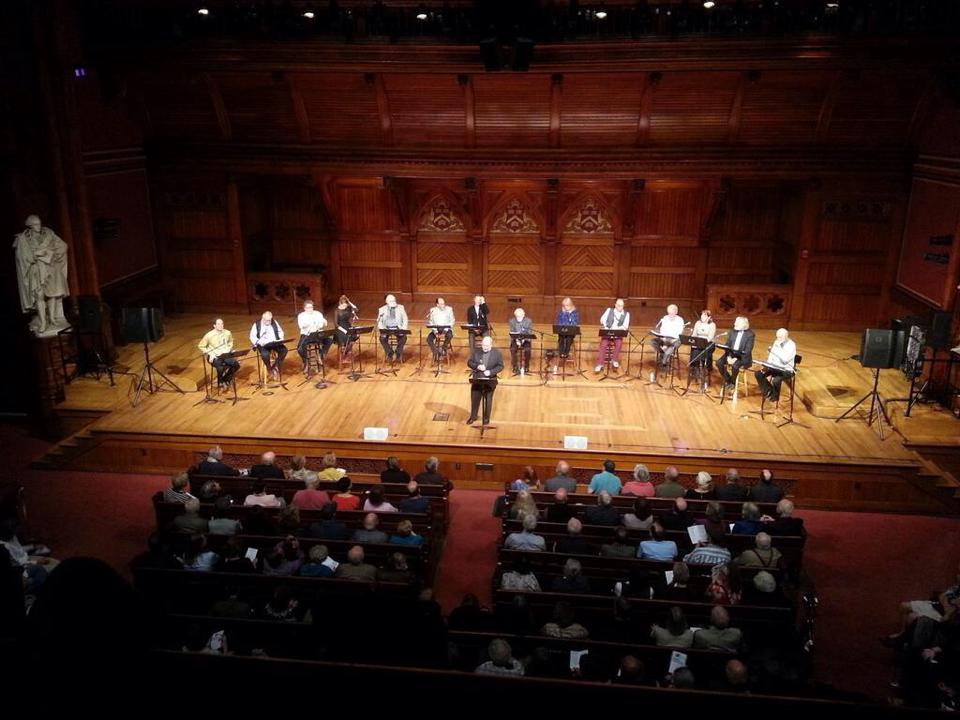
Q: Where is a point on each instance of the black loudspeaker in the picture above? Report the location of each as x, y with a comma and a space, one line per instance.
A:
490, 52
876, 348
522, 54
938, 336
900, 340
141, 325
91, 318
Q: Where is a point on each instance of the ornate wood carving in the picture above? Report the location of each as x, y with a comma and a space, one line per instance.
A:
440, 215
513, 216
765, 305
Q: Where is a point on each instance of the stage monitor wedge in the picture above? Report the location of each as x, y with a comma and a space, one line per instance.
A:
877, 348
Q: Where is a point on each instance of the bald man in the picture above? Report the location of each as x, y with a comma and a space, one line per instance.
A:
485, 363
266, 335
782, 354
670, 327
267, 468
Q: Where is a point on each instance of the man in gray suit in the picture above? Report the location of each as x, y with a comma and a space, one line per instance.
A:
485, 362
520, 323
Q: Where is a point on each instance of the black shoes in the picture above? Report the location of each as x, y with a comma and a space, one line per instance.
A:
471, 420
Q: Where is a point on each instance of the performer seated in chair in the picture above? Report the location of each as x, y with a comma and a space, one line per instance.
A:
672, 326
440, 314
782, 353
520, 323
704, 328
346, 312
569, 316
740, 341
485, 362
613, 318
392, 316
311, 321
216, 345
266, 335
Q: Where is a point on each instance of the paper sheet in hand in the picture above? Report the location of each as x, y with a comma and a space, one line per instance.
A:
697, 533
677, 660
575, 656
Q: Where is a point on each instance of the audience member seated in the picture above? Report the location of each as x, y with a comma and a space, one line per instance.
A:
285, 607
189, 521
344, 499
765, 491
708, 553
936, 608
561, 480
376, 502
267, 469
682, 679
603, 513
564, 625
678, 589
526, 539
640, 486
285, 558
261, 497
643, 584
764, 590
177, 492
573, 543
310, 498
619, 547
678, 517
209, 491
501, 660
657, 547
764, 555
560, 511
670, 487
329, 472
632, 672
234, 559
703, 490
749, 523
394, 474
328, 527
676, 633
725, 586
785, 524
369, 533
714, 523
396, 570
198, 556
520, 578
259, 522
355, 568
528, 480
288, 520
572, 580
523, 505
414, 502
299, 471
213, 464
317, 564
405, 535
605, 480
431, 473
642, 516
737, 677
732, 490
470, 615
719, 635
158, 556
34, 570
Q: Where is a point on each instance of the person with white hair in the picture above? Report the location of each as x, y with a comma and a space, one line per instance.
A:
703, 490
431, 473
572, 580
266, 336
526, 539
520, 348
574, 543
670, 327
267, 469
369, 533
785, 524
613, 318
719, 635
486, 363
190, 521
739, 352
355, 568
603, 513
213, 464
763, 555
782, 356
392, 317
732, 490
309, 498
562, 479
177, 492
640, 486
501, 660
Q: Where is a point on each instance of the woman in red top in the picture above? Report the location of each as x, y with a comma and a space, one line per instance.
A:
343, 499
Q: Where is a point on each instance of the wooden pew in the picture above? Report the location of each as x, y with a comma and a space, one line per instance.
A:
624, 503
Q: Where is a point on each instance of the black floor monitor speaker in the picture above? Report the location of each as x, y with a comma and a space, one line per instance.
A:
938, 336
876, 348
142, 325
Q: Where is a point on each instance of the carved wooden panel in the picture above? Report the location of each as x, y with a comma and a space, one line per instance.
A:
514, 216
441, 215
443, 267
258, 105
514, 267
284, 291
587, 268
764, 305
600, 109
692, 107
512, 109
783, 106
341, 108
426, 109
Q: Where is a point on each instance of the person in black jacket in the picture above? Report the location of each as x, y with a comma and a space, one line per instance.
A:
213, 464
740, 353
485, 362
266, 469
394, 473
414, 502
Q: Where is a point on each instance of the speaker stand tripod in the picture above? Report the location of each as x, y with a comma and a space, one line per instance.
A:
146, 378
878, 409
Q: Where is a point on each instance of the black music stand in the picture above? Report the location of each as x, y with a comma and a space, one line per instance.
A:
520, 338
790, 381
88, 358
483, 381
316, 339
263, 380
356, 359
673, 365
476, 333
208, 371
237, 355
572, 332
391, 334
700, 350
443, 348
146, 378
610, 333
878, 409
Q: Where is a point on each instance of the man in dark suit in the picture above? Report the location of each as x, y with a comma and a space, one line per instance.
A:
414, 502
267, 469
485, 362
477, 316
213, 464
740, 354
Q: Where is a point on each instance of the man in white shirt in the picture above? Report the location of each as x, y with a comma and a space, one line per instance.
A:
392, 316
311, 321
266, 335
670, 326
613, 318
783, 354
440, 314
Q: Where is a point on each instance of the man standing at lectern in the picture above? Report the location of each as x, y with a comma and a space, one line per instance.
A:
485, 362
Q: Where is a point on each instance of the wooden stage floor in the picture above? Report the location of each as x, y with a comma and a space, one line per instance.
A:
421, 408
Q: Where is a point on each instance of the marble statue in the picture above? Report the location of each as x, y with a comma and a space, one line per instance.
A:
42, 276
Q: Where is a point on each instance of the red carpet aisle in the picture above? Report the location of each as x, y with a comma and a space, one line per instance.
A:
470, 553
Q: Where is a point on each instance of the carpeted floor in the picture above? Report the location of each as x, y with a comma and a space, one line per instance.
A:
863, 564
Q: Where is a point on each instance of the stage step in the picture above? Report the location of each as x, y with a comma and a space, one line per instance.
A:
63, 452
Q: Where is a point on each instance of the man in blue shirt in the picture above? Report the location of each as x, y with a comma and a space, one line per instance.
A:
569, 316
605, 480
657, 548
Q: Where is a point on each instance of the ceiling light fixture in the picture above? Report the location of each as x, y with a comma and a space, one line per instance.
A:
422, 14
203, 11
309, 14
600, 14
709, 4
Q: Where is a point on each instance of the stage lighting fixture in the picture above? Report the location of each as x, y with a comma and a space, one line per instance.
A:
600, 14
203, 11
309, 14
422, 14
709, 4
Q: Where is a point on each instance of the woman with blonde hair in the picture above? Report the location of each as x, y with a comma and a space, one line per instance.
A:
524, 504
